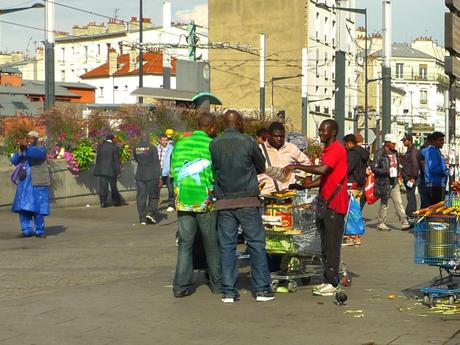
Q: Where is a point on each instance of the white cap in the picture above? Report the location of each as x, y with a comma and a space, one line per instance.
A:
33, 134
391, 138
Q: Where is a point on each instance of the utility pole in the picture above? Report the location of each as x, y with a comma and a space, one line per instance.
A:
141, 53
262, 75
340, 60
304, 91
386, 69
166, 69
49, 55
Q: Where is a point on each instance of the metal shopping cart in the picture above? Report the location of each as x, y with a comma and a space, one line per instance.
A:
437, 243
290, 230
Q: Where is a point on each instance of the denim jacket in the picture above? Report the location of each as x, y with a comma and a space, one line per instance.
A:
237, 160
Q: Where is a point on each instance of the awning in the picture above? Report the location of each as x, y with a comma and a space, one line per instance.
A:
176, 95
160, 93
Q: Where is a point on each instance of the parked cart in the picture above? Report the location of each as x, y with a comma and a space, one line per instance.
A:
437, 243
291, 231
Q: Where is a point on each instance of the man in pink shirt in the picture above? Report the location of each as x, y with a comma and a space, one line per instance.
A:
279, 153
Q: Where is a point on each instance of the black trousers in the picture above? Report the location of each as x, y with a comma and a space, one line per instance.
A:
147, 195
331, 232
435, 194
411, 201
104, 182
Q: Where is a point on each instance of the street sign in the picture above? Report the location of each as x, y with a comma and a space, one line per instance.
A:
452, 32
371, 135
452, 66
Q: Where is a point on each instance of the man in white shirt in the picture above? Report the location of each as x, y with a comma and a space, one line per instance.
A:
279, 153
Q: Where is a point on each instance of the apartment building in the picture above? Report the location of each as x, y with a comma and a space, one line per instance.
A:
289, 26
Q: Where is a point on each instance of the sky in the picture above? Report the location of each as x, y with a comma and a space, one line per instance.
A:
411, 18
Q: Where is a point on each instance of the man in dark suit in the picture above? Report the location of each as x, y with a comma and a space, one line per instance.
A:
108, 168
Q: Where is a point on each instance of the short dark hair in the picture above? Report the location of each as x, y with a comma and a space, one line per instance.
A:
276, 126
261, 131
110, 136
162, 136
437, 135
349, 138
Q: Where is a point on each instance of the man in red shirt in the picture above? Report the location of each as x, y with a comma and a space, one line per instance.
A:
333, 189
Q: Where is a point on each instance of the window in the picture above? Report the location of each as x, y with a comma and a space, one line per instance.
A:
422, 71
399, 71
423, 96
102, 91
63, 75
62, 54
98, 49
86, 53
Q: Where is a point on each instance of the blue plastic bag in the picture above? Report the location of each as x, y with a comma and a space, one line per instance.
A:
354, 224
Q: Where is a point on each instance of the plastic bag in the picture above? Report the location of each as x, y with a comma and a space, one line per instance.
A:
369, 189
354, 224
19, 173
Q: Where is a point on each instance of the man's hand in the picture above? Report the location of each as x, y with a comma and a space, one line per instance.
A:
288, 169
160, 183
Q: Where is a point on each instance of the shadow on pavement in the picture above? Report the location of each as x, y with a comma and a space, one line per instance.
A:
55, 230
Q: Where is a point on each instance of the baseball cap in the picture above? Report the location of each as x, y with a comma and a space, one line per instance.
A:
169, 132
33, 134
407, 137
391, 138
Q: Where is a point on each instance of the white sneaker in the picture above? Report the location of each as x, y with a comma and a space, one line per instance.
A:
383, 227
143, 223
170, 209
405, 225
318, 287
151, 219
326, 290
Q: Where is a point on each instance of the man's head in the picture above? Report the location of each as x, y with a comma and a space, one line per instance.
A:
208, 124
349, 141
390, 141
327, 131
233, 119
145, 136
407, 140
276, 134
110, 137
163, 140
32, 137
261, 135
359, 138
437, 139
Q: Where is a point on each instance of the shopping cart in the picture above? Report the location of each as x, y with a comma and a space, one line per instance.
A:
290, 230
437, 243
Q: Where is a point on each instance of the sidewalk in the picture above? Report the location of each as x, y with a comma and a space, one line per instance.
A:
101, 278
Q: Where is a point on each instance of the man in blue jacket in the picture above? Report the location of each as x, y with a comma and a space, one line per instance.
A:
435, 169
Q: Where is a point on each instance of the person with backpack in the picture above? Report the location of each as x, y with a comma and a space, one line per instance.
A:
357, 157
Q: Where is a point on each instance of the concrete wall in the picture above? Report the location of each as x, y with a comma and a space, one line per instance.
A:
235, 75
68, 190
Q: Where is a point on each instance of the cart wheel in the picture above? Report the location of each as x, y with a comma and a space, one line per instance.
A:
292, 286
452, 299
427, 300
275, 283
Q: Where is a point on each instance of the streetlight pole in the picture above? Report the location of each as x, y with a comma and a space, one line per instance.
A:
141, 57
272, 80
366, 96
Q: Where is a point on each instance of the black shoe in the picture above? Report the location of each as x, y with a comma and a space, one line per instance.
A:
150, 219
41, 236
264, 296
104, 205
182, 294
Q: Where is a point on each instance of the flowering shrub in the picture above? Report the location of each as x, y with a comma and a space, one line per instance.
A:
84, 155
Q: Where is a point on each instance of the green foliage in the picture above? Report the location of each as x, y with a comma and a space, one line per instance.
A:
84, 154
125, 153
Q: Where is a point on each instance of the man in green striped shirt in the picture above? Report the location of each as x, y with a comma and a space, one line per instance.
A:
193, 177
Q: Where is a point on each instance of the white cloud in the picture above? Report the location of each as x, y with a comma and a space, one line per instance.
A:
199, 14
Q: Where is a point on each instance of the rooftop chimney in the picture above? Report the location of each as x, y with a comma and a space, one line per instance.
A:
166, 15
113, 61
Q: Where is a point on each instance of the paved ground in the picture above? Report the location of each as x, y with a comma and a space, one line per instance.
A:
100, 278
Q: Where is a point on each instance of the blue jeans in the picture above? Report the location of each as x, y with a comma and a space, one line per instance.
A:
188, 224
253, 231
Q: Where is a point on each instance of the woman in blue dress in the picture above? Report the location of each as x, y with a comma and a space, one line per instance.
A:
31, 200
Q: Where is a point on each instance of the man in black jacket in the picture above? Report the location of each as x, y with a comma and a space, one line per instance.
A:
147, 179
107, 168
237, 160
410, 171
357, 157
387, 173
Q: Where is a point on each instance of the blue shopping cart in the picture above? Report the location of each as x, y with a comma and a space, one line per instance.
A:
437, 243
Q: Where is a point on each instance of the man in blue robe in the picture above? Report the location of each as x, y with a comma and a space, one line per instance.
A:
31, 200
